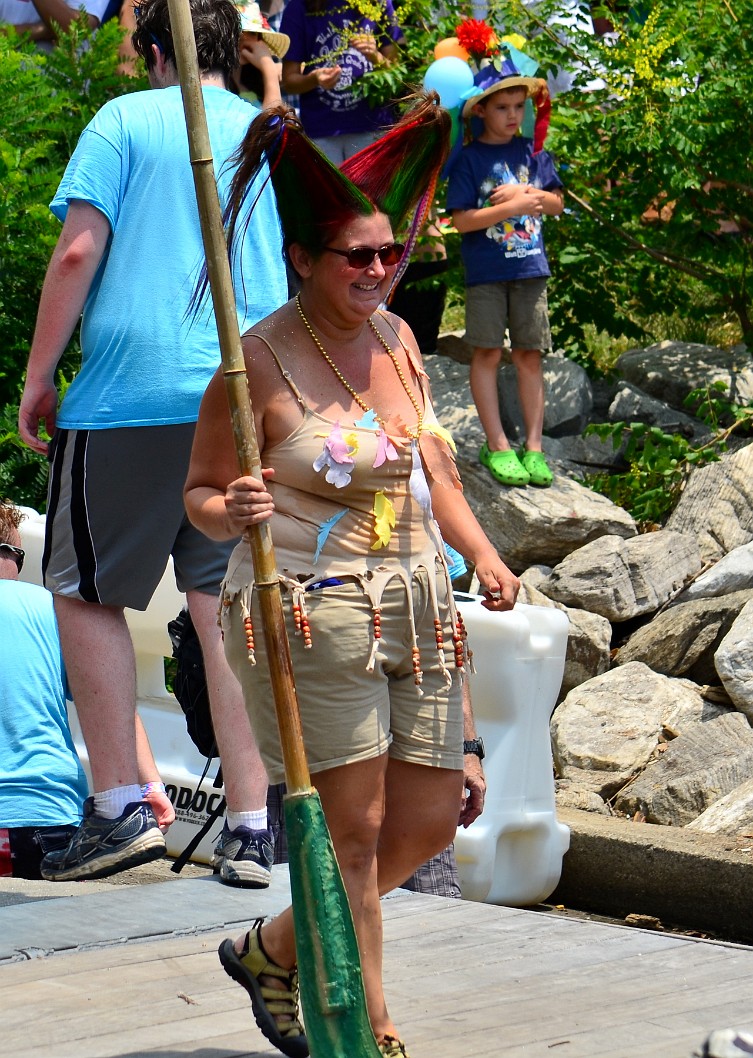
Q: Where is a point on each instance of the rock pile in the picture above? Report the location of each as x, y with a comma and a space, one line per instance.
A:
654, 717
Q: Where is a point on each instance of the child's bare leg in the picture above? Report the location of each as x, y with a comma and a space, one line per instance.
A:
483, 379
531, 391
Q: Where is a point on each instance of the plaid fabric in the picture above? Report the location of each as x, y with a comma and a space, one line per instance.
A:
276, 821
437, 877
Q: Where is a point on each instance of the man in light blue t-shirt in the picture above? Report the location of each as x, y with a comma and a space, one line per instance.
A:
129, 258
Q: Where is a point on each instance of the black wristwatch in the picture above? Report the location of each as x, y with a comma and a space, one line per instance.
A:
475, 746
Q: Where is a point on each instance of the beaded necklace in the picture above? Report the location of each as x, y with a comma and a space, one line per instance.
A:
413, 434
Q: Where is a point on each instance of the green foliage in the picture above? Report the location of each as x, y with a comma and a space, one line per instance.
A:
657, 466
660, 193
657, 240
658, 463
45, 102
23, 473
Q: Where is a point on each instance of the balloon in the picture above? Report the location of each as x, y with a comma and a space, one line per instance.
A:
449, 77
451, 47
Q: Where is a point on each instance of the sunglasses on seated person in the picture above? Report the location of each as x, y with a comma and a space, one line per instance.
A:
16, 553
363, 256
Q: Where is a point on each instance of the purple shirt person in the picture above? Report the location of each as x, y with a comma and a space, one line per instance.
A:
330, 49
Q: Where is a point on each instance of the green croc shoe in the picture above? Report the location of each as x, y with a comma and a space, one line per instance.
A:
504, 466
538, 470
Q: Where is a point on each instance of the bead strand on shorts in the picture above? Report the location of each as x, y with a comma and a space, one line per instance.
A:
418, 676
248, 629
459, 639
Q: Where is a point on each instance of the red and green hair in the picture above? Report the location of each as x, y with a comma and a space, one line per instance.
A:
393, 175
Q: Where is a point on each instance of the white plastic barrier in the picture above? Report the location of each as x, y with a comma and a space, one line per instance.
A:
179, 762
513, 853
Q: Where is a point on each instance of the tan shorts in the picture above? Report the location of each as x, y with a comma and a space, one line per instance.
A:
519, 307
347, 713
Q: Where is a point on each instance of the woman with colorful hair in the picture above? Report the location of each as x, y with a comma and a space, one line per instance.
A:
360, 485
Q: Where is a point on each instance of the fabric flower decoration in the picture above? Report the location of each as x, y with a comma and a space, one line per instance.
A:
385, 449
368, 420
335, 455
476, 37
384, 520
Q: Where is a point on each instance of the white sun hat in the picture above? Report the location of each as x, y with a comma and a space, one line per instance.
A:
253, 21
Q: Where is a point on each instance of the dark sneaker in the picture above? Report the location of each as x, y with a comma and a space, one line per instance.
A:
244, 857
101, 847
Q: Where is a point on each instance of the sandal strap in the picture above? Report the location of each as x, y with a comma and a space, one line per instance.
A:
280, 1002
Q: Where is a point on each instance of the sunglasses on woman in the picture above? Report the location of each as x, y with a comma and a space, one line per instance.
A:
17, 554
363, 256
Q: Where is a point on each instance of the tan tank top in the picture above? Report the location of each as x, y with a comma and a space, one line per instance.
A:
352, 502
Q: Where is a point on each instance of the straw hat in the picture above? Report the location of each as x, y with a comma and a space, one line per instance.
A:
491, 79
253, 21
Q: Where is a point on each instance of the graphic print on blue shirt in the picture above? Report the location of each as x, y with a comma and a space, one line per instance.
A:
513, 248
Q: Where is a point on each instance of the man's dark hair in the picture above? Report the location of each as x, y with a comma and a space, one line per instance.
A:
216, 26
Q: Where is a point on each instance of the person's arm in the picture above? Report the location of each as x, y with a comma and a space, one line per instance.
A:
462, 531
296, 82
377, 55
553, 201
253, 50
127, 52
72, 268
54, 13
219, 502
507, 200
474, 782
149, 778
38, 31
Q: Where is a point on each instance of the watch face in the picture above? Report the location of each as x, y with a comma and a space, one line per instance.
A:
475, 746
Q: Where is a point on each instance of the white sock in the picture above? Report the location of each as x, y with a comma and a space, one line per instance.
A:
110, 803
252, 820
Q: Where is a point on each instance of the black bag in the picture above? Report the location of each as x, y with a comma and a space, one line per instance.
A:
190, 685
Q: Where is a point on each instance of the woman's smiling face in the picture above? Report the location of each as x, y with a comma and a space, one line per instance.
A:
363, 287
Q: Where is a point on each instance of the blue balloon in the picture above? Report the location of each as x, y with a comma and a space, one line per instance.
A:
449, 77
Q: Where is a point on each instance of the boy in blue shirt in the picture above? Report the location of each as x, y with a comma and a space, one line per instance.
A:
499, 189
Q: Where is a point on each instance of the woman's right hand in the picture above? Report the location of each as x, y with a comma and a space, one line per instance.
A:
247, 502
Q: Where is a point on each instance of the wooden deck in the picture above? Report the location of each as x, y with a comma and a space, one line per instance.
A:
464, 980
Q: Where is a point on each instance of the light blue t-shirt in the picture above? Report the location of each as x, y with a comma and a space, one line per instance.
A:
146, 358
42, 782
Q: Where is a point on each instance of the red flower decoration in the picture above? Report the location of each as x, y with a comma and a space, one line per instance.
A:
476, 37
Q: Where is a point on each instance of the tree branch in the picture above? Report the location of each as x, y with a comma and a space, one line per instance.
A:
663, 256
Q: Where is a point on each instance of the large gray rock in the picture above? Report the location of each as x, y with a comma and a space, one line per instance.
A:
631, 404
717, 505
589, 639
568, 399
529, 525
734, 661
607, 730
670, 370
620, 579
587, 454
733, 572
453, 403
683, 640
731, 815
706, 762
